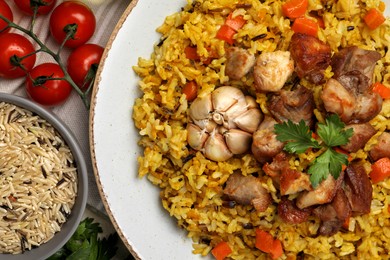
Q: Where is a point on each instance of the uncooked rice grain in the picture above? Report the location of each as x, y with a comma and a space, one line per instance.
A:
38, 180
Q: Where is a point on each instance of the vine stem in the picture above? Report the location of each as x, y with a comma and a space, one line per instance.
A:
55, 56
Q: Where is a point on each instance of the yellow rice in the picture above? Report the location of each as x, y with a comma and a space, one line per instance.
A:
191, 189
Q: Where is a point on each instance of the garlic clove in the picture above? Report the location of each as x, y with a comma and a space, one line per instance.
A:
251, 102
238, 141
249, 120
206, 124
201, 108
215, 148
232, 113
223, 98
196, 137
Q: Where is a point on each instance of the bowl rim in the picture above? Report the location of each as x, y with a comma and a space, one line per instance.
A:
69, 227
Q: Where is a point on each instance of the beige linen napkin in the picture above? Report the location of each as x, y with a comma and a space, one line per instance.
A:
73, 112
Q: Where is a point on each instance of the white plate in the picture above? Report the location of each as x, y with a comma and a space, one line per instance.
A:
133, 204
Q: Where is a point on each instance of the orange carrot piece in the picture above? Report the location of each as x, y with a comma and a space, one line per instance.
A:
277, 249
191, 53
266, 243
295, 8
374, 18
388, 208
190, 89
380, 170
381, 89
221, 250
306, 26
226, 34
235, 23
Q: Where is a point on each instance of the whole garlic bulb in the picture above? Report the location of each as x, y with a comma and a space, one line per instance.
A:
222, 123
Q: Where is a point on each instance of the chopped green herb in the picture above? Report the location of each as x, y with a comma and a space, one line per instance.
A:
298, 136
332, 132
299, 139
85, 244
328, 162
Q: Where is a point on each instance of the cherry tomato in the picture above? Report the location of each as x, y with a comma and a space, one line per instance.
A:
83, 61
46, 91
27, 6
13, 47
5, 11
75, 15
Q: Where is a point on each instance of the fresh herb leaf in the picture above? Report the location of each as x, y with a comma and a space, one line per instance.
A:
298, 136
328, 162
333, 132
299, 139
85, 244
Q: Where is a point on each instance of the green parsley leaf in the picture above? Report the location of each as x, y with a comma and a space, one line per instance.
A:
298, 136
328, 162
333, 132
85, 244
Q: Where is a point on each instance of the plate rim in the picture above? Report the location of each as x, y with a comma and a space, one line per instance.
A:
93, 103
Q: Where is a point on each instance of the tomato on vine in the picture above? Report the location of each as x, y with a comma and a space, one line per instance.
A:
17, 55
75, 19
83, 62
27, 6
46, 86
5, 11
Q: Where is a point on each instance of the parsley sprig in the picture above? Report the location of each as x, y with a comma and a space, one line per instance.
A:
85, 244
298, 138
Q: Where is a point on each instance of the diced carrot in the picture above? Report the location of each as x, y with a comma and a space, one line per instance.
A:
235, 23
380, 170
266, 243
212, 55
374, 18
381, 89
277, 249
388, 208
295, 8
226, 34
221, 250
190, 89
191, 53
305, 25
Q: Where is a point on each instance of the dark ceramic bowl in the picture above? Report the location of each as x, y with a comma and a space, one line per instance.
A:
68, 228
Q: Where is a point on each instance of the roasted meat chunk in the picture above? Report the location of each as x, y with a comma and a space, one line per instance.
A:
323, 193
358, 189
265, 145
361, 134
382, 147
272, 70
247, 190
274, 169
293, 181
311, 57
352, 105
355, 59
290, 213
349, 93
239, 62
294, 105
